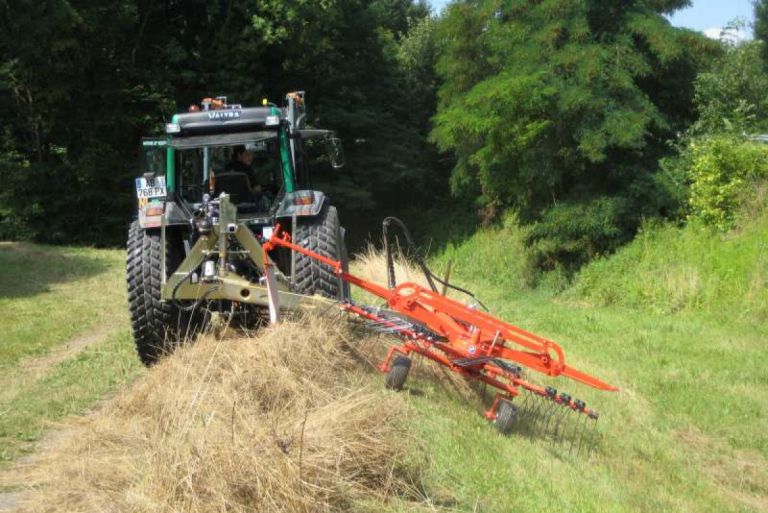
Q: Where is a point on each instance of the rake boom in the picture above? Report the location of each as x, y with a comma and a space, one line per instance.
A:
460, 337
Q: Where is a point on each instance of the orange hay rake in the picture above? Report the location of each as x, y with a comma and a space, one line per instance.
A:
465, 340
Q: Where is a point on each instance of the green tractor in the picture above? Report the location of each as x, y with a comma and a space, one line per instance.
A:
196, 245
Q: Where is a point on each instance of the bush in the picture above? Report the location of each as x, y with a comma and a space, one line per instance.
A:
668, 269
573, 233
723, 172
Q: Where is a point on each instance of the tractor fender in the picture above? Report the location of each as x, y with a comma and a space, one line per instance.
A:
301, 204
152, 214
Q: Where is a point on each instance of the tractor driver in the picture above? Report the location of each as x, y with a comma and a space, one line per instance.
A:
260, 175
242, 162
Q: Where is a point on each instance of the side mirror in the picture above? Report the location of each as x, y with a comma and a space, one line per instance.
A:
335, 152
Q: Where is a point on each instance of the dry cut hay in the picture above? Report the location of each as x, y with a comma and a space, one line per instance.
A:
371, 265
284, 422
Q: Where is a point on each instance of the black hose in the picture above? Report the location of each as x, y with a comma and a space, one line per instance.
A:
428, 274
198, 301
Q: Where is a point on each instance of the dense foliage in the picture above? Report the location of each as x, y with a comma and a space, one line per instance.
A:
723, 170
561, 109
80, 83
721, 156
580, 118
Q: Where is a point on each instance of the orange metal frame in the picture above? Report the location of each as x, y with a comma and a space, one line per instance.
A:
467, 341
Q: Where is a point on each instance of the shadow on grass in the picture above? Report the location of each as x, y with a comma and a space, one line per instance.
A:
29, 269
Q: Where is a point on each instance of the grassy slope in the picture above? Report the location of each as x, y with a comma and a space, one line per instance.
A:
687, 431
668, 269
49, 297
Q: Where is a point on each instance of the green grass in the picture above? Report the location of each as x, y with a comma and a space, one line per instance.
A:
71, 388
692, 269
685, 433
687, 430
689, 401
50, 296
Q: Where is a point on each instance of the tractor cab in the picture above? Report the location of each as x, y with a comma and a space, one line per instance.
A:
257, 155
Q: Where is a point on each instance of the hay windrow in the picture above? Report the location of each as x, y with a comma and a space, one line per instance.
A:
285, 421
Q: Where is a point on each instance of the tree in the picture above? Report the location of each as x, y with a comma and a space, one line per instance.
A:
717, 156
81, 82
565, 104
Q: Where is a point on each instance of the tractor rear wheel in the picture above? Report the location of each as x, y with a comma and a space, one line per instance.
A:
322, 235
158, 326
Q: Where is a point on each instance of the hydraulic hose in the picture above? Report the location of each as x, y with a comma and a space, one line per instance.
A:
428, 274
198, 301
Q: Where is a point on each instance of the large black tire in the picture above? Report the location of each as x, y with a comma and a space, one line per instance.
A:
158, 326
321, 234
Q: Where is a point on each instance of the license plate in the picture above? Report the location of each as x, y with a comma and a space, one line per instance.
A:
151, 188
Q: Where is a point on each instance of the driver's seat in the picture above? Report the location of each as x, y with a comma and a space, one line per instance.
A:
238, 186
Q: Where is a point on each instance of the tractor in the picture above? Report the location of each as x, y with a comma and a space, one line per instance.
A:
195, 248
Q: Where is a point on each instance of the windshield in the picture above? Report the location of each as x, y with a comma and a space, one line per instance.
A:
250, 173
200, 141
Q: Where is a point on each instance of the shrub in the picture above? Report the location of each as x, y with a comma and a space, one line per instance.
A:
723, 170
573, 233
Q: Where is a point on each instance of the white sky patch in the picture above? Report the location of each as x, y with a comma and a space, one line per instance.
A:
731, 35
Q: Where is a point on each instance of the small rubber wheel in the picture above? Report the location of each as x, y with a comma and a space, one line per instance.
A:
506, 414
398, 373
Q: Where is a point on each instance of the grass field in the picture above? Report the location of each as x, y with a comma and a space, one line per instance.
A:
65, 338
685, 433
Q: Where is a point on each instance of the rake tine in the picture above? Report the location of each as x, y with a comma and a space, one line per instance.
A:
549, 411
557, 434
388, 326
391, 329
573, 424
581, 434
530, 409
574, 432
564, 420
537, 404
526, 401
593, 439
540, 414
385, 322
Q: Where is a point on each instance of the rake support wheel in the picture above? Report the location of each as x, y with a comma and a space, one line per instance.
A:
506, 414
398, 373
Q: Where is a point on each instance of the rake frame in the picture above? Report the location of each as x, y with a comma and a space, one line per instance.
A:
471, 343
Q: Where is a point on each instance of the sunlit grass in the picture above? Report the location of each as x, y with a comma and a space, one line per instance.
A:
680, 338
49, 298
50, 294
